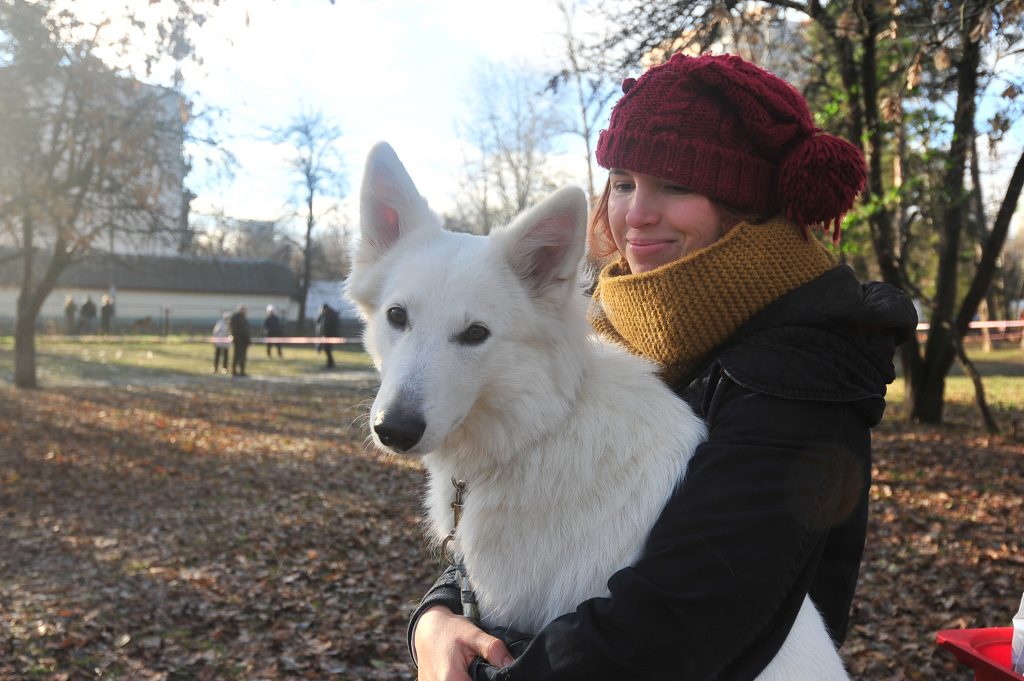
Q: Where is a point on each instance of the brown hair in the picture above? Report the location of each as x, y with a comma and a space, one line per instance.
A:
600, 245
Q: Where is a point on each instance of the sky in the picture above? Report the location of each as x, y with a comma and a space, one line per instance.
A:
402, 71
394, 70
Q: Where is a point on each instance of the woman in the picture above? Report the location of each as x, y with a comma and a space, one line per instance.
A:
717, 172
222, 342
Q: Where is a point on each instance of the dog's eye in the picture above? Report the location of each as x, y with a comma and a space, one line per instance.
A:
397, 316
475, 334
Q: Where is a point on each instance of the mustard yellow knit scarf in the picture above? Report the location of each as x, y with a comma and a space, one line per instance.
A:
677, 313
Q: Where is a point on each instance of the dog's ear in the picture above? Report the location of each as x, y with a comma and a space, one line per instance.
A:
545, 244
390, 206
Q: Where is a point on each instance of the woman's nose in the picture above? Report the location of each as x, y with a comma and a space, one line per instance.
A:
642, 211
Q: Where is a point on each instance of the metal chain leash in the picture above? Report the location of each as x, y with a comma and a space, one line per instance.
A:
470, 608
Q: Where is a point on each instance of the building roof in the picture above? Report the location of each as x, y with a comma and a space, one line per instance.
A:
168, 273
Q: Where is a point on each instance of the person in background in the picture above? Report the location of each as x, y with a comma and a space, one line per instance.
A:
70, 310
272, 328
328, 325
240, 339
106, 313
717, 173
87, 316
222, 342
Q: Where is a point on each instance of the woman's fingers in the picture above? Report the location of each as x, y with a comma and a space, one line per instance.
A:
490, 648
447, 643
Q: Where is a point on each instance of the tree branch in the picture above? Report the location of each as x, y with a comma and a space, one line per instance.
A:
992, 248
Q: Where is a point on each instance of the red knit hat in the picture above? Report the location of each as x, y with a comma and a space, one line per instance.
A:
735, 133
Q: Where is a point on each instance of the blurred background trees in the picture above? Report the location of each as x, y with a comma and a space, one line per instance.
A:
511, 130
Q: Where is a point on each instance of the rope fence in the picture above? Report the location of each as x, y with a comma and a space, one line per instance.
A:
998, 324
291, 340
1000, 330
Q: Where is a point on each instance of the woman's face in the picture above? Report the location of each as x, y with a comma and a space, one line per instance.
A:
654, 222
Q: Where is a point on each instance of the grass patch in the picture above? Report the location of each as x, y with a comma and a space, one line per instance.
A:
1002, 372
61, 360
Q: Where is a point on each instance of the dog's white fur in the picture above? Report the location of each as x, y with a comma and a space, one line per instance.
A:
570, 446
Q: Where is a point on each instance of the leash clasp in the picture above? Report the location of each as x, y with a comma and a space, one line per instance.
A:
447, 551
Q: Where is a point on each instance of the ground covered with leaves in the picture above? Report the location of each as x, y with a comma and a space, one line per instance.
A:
241, 529
944, 548
224, 530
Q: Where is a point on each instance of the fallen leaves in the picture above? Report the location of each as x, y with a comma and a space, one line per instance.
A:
243, 531
236, 533
943, 551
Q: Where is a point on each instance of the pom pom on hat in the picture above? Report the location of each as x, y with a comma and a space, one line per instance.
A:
819, 181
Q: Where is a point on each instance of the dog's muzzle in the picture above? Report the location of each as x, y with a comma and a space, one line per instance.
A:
398, 430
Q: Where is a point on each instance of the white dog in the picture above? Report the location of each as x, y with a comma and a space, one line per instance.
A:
489, 372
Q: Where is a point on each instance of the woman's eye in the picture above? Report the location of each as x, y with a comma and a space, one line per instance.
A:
622, 186
475, 334
678, 189
397, 316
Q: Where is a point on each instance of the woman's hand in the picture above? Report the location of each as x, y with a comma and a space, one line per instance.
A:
446, 643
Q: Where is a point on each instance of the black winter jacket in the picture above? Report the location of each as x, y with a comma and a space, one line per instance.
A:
327, 322
773, 505
240, 333
272, 326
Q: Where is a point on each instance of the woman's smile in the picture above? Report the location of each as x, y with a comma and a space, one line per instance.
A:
644, 248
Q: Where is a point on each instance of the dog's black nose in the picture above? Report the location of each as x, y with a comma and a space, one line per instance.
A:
399, 431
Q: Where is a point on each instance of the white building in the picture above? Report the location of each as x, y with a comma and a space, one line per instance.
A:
136, 255
155, 293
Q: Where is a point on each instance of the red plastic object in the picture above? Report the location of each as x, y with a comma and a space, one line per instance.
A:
986, 651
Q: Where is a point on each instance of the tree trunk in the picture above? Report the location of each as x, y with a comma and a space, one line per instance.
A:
307, 264
928, 395
940, 346
25, 322
25, 350
986, 332
992, 248
910, 358
30, 301
979, 388
993, 307
883, 232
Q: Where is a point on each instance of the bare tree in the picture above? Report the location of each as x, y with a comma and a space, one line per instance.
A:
594, 81
331, 257
89, 156
219, 235
320, 174
509, 142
